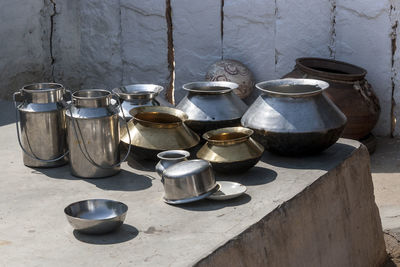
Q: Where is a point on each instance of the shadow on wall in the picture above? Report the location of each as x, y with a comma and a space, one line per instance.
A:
386, 158
7, 112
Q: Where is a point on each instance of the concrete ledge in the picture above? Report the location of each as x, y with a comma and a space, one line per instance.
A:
332, 222
311, 211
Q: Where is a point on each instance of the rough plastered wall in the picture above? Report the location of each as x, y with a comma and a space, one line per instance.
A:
108, 43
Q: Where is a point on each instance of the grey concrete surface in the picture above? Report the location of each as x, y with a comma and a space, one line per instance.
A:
320, 206
385, 167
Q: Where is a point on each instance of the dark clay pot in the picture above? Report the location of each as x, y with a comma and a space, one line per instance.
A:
348, 89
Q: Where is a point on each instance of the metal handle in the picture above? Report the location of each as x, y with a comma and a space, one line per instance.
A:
86, 155
17, 97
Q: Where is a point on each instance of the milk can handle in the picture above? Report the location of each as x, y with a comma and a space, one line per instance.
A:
86, 155
16, 97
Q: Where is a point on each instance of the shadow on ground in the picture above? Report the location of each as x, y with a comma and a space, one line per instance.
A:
125, 233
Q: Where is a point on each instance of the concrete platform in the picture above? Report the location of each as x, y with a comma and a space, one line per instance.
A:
312, 211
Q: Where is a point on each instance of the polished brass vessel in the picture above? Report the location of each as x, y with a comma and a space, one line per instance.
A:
156, 129
231, 149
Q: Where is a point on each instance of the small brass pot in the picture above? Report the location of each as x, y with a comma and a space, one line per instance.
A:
231, 149
154, 129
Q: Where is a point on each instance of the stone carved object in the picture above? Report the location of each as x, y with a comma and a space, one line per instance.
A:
294, 117
232, 71
348, 89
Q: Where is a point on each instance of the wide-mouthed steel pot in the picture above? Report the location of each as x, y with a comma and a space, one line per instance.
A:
294, 117
231, 149
189, 181
211, 105
157, 129
138, 95
96, 216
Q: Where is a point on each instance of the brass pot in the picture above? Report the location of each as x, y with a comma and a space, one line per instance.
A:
156, 129
231, 149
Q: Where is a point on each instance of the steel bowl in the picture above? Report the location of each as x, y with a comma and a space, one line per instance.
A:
189, 181
96, 216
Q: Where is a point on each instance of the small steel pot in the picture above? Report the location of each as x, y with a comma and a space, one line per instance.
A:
169, 158
189, 181
157, 129
211, 105
96, 216
138, 95
231, 149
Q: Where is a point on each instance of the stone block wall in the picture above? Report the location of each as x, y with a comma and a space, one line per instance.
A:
108, 43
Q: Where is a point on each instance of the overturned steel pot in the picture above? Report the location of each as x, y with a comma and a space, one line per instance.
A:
157, 129
211, 105
231, 149
294, 117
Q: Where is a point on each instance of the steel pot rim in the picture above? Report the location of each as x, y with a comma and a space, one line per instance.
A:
115, 202
180, 154
148, 91
268, 87
105, 93
38, 90
229, 87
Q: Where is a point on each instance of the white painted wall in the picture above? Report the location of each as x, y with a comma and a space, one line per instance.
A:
108, 43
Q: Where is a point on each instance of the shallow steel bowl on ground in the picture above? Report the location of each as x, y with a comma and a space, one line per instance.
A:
96, 216
231, 149
188, 181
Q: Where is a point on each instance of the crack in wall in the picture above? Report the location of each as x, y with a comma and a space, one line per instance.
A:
222, 28
332, 43
393, 36
275, 25
51, 38
120, 44
171, 54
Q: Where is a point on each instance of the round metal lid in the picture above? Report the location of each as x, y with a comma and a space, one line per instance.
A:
186, 168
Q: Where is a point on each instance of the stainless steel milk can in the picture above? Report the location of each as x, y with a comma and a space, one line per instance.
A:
42, 120
93, 134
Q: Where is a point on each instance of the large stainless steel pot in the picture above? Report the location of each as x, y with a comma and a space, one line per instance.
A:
294, 117
42, 119
211, 105
93, 134
138, 95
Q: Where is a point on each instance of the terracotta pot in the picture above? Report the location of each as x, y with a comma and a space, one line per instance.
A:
348, 89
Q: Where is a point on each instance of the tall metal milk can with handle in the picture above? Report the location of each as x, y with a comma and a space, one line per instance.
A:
93, 134
41, 114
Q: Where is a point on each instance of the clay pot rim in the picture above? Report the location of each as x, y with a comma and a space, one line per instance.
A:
359, 73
